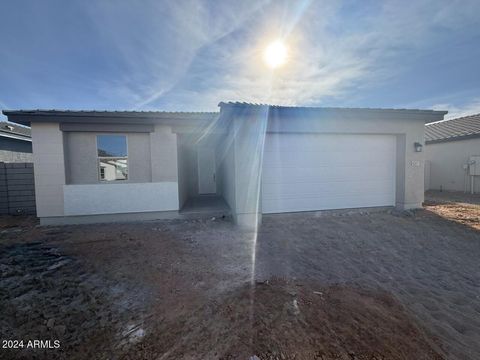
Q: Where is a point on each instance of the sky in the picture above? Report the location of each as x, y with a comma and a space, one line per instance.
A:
188, 55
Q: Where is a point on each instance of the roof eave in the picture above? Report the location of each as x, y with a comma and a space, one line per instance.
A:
15, 136
426, 116
453, 138
26, 117
326, 109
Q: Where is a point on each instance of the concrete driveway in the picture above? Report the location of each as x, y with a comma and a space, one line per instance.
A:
426, 261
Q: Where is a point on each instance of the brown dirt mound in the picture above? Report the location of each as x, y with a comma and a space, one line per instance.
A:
280, 320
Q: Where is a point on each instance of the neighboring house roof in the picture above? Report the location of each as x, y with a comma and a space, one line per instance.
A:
10, 130
453, 130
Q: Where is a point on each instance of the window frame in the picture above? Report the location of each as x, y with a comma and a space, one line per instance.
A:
99, 158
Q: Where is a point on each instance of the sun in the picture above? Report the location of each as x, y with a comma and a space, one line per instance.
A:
275, 54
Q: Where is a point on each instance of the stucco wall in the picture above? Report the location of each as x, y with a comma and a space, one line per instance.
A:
66, 165
81, 157
12, 150
187, 169
225, 161
248, 141
49, 168
94, 199
159, 157
163, 154
446, 164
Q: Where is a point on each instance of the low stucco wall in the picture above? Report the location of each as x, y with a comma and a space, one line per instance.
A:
446, 164
96, 199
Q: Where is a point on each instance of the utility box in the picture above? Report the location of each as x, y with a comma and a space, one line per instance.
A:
474, 165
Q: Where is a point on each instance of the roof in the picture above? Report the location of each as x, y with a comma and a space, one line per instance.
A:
453, 130
10, 130
125, 113
276, 110
312, 108
25, 117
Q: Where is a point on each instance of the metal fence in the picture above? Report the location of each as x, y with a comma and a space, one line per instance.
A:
17, 188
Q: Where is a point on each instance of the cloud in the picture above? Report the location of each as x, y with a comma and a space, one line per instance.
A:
158, 41
470, 108
335, 50
191, 54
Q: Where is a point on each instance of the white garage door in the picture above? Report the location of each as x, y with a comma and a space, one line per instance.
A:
304, 172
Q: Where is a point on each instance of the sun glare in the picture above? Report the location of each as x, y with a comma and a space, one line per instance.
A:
275, 54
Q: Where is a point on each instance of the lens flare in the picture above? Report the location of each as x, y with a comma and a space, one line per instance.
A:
275, 54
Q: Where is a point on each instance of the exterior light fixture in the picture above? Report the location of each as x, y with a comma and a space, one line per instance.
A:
418, 147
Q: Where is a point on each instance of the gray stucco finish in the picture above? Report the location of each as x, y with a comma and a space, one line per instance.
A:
446, 160
164, 154
14, 150
251, 124
81, 158
70, 159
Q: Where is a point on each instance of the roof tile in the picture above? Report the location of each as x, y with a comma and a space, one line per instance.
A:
453, 129
10, 128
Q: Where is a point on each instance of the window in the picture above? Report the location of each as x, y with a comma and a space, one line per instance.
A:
112, 157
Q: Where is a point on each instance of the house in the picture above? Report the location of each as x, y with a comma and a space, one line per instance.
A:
93, 166
17, 193
15, 143
452, 152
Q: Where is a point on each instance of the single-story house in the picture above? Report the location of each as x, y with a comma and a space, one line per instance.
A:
15, 143
452, 154
93, 166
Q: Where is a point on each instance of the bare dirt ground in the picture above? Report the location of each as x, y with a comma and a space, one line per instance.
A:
457, 206
346, 285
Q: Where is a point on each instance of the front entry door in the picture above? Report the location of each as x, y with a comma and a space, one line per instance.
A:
206, 170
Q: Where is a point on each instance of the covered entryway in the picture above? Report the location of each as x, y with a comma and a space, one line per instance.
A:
307, 172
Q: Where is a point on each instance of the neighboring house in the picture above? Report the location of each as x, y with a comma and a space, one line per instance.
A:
93, 166
17, 193
450, 151
15, 143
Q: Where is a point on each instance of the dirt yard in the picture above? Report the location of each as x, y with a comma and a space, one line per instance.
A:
335, 285
457, 206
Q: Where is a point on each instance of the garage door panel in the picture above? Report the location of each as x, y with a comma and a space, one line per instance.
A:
329, 143
286, 159
304, 172
320, 189
331, 202
277, 175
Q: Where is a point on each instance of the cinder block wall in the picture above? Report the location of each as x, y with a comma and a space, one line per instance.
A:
17, 188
